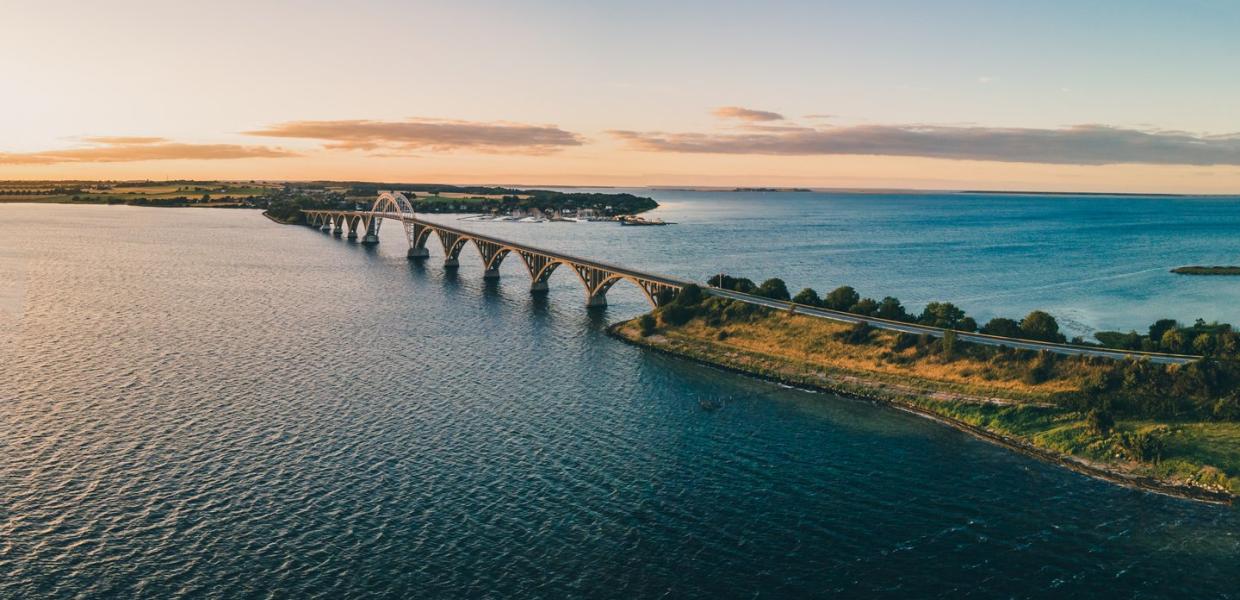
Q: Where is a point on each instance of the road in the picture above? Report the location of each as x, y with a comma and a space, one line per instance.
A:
977, 338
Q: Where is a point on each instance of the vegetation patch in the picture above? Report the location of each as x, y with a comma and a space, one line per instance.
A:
1172, 427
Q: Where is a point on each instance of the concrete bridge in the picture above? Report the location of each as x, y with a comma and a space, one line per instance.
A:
597, 277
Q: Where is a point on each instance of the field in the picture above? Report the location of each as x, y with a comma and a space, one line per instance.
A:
221, 193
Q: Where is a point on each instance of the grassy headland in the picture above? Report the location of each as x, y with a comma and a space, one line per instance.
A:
1174, 429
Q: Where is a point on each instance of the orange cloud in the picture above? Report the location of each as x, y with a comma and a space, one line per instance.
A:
426, 134
124, 140
746, 114
111, 149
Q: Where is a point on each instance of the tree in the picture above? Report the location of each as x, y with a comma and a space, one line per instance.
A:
841, 298
807, 297
690, 295
1172, 340
967, 324
1228, 344
773, 288
864, 306
1002, 326
1039, 325
1161, 327
941, 314
1203, 344
890, 308
736, 284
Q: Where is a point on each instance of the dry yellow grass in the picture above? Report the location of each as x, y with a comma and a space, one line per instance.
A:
812, 343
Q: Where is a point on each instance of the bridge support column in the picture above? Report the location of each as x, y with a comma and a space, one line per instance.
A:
491, 273
327, 226
372, 233
416, 253
451, 263
539, 287
595, 300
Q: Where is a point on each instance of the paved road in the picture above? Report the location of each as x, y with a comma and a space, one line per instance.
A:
977, 338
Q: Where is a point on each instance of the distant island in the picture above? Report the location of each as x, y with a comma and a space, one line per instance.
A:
768, 189
1199, 270
284, 201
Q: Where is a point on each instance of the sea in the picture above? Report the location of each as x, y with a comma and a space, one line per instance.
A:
201, 403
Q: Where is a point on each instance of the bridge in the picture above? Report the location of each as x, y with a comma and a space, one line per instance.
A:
598, 277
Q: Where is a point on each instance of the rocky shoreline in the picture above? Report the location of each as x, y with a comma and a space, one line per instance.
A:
874, 394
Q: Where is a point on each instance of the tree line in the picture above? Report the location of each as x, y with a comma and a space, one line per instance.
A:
1165, 335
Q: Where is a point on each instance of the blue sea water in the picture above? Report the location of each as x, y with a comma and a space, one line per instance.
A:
201, 403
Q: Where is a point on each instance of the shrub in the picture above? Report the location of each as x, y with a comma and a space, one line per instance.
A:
904, 340
1227, 409
675, 314
647, 324
1099, 422
947, 345
857, 333
1143, 445
1040, 369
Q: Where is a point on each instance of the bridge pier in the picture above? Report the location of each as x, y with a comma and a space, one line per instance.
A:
596, 300
416, 253
451, 262
372, 233
326, 226
539, 287
492, 273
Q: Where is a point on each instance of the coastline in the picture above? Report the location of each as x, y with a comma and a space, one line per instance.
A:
879, 392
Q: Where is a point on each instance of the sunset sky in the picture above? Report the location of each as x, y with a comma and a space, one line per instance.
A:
1116, 95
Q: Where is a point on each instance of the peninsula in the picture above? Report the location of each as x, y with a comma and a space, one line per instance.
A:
1169, 428
284, 200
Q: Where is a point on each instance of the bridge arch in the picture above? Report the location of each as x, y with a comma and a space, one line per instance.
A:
392, 205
